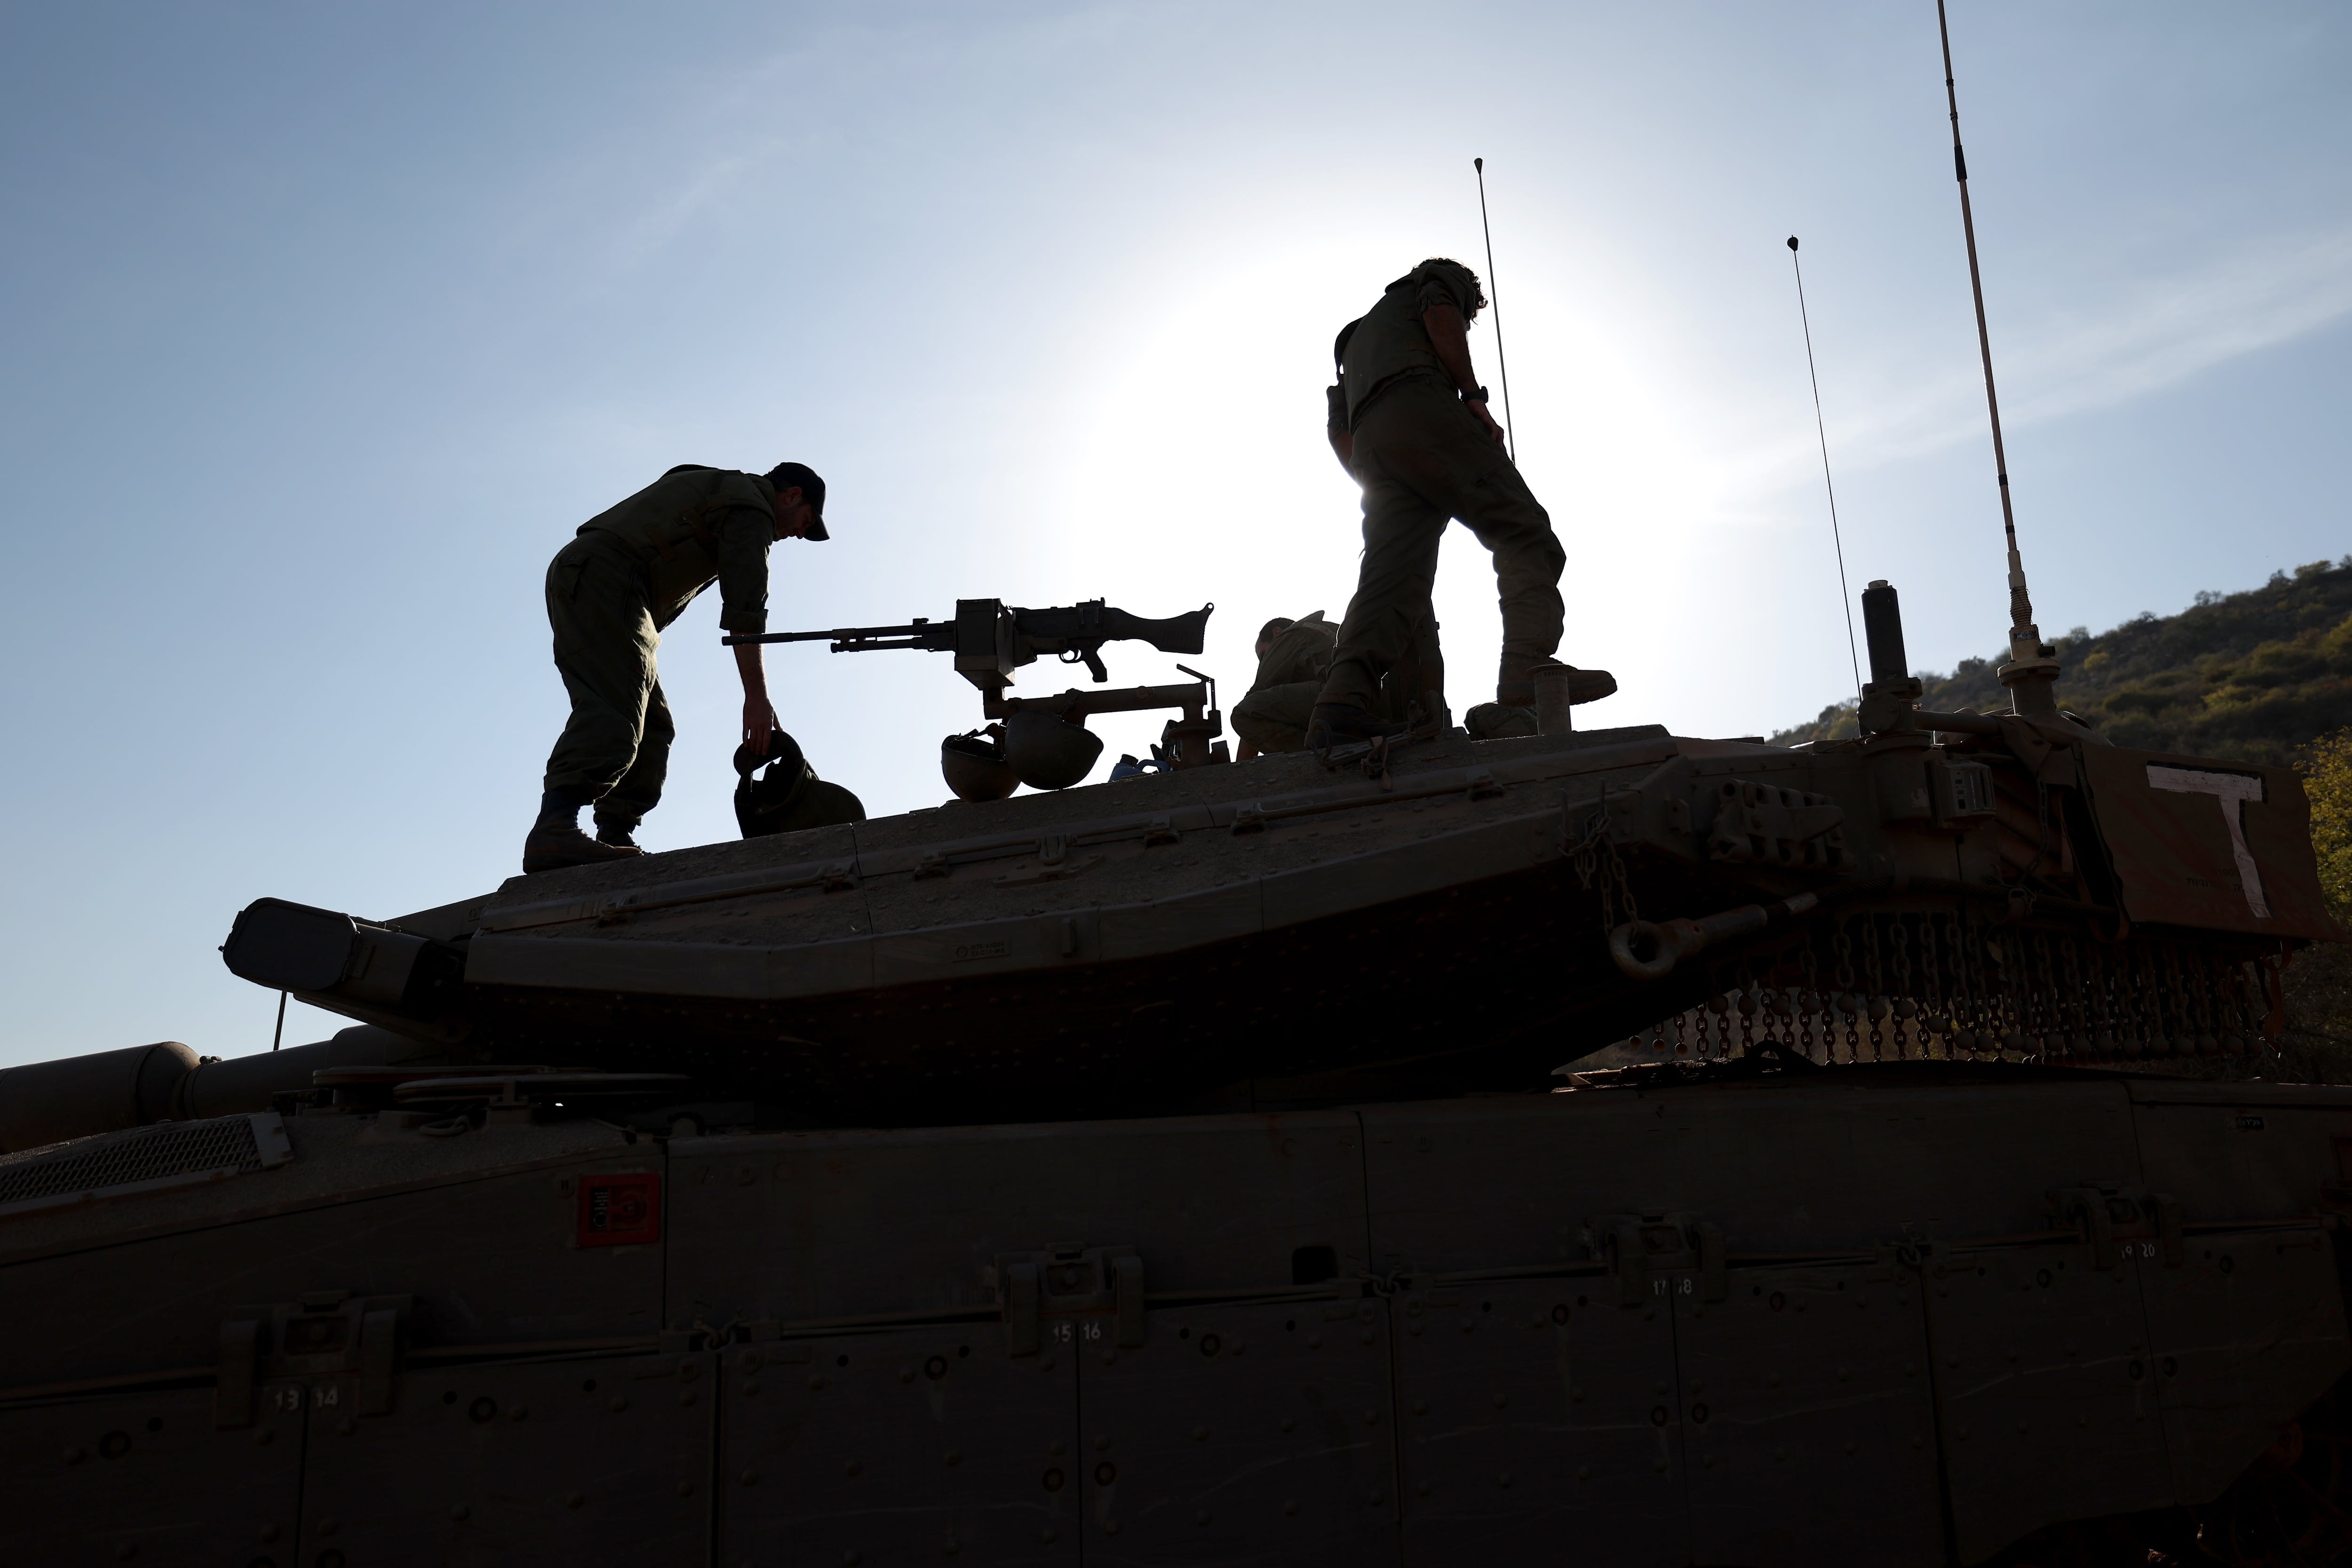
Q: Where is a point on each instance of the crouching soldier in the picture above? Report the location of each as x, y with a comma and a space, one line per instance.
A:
1293, 658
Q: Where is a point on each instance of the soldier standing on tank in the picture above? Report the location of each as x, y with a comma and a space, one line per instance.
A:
629, 573
1409, 423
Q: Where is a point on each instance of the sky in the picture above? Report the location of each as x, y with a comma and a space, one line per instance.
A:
321, 328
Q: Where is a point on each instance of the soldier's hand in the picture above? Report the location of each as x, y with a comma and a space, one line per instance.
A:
759, 719
1494, 431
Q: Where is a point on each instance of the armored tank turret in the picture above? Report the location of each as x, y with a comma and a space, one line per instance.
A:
1441, 916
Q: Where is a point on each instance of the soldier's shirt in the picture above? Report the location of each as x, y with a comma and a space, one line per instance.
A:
689, 529
1301, 651
1389, 341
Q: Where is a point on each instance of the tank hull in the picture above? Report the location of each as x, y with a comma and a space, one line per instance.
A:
1791, 1317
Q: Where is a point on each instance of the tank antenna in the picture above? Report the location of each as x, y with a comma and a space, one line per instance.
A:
1821, 430
2031, 671
1495, 303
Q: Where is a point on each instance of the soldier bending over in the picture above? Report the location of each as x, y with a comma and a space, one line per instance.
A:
630, 573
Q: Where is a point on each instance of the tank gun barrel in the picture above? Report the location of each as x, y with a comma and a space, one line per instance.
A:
110, 1091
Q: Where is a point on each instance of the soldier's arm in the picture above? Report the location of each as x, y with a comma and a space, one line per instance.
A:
759, 713
1450, 336
744, 535
1343, 440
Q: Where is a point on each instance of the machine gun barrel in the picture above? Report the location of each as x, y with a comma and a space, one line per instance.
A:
921, 633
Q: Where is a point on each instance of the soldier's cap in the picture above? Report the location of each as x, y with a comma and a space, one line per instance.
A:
783, 475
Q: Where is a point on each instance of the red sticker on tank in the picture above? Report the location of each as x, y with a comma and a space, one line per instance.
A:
620, 1211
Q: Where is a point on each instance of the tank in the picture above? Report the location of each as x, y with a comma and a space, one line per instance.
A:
1214, 1167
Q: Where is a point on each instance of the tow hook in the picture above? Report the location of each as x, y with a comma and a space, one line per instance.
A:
1648, 950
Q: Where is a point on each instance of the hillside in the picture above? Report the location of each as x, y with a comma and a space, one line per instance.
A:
2254, 676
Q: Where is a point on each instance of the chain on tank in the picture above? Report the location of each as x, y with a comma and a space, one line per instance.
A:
1953, 985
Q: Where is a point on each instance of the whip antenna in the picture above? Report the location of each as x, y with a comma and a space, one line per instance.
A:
1823, 431
2030, 672
1495, 303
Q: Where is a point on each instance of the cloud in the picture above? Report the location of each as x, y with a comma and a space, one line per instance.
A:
2138, 340
2173, 328
664, 219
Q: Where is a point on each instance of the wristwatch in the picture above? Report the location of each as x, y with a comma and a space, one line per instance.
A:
1477, 396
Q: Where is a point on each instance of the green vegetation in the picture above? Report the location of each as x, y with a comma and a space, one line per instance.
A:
2254, 676
2317, 1045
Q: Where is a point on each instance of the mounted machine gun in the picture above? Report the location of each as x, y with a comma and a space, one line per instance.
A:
1042, 741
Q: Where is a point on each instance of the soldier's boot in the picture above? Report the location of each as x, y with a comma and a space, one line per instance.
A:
1514, 681
1337, 723
620, 832
555, 840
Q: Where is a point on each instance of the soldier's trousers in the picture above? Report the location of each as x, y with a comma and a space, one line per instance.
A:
615, 747
1423, 459
1274, 718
